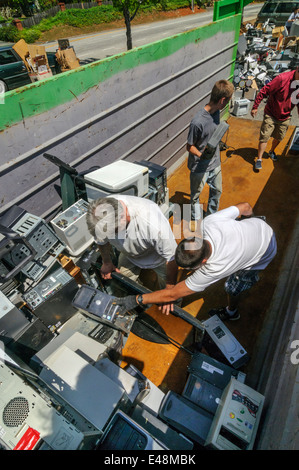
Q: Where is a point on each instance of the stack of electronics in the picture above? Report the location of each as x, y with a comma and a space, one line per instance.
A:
258, 62
193, 412
216, 410
42, 239
66, 389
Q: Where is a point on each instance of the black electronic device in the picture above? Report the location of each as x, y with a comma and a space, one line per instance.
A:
213, 371
101, 307
109, 337
11, 242
183, 415
34, 232
172, 439
207, 380
30, 340
202, 393
157, 179
51, 299
122, 433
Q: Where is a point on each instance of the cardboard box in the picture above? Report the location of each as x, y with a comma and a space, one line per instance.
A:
43, 75
21, 48
33, 56
276, 32
290, 42
67, 59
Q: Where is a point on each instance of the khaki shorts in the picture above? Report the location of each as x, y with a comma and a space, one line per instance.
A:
272, 128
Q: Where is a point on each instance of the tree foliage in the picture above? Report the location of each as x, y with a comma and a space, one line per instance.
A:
129, 9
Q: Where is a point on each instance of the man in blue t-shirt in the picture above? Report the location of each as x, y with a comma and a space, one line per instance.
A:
206, 168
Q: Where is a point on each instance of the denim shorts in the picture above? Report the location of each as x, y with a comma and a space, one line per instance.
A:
241, 281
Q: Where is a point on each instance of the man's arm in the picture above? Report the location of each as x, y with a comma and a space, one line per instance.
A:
171, 273
194, 150
163, 296
171, 277
268, 89
107, 266
167, 295
194, 136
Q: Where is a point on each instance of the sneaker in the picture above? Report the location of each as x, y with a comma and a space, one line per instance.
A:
223, 315
258, 164
273, 156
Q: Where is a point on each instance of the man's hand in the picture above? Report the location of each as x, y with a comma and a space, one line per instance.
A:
107, 269
166, 308
253, 112
129, 302
245, 209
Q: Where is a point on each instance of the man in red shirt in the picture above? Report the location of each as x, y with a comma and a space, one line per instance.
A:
282, 98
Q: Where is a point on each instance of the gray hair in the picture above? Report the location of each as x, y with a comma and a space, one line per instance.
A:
103, 216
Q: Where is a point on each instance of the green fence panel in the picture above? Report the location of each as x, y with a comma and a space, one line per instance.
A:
225, 8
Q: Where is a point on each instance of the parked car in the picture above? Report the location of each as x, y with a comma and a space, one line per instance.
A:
276, 11
13, 73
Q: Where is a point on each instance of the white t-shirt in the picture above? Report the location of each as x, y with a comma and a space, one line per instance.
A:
148, 240
245, 244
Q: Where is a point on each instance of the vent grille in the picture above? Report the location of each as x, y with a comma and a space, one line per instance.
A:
15, 412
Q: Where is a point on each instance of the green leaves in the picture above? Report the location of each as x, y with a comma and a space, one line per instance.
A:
87, 17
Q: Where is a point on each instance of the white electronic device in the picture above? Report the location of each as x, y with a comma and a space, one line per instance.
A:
90, 392
118, 177
237, 418
28, 421
71, 228
225, 341
241, 107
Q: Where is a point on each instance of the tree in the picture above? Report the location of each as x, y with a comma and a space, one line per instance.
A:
129, 9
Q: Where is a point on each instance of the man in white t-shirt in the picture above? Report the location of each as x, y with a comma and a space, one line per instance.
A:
139, 231
234, 249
